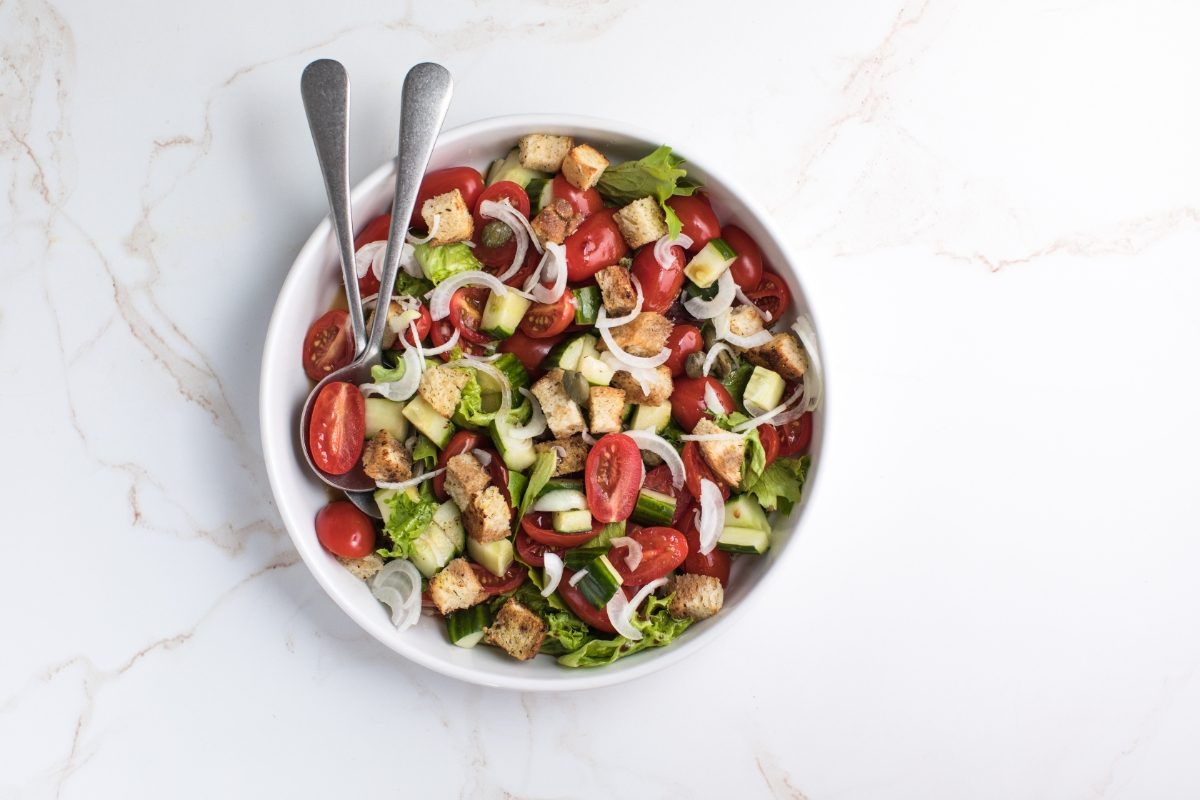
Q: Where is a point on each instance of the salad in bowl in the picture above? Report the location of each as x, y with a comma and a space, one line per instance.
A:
595, 396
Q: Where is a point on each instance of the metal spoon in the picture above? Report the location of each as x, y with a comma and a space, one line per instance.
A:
426, 98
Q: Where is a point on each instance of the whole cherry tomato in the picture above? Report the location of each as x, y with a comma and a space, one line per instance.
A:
683, 341
466, 313
747, 268
533, 552
597, 243
586, 202
532, 352
660, 286
689, 403
467, 180
715, 563
698, 218
345, 531
796, 436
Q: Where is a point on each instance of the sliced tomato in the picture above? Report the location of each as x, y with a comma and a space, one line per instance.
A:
661, 480
345, 531
532, 352
335, 430
715, 563
533, 552
466, 313
513, 578
585, 201
612, 477
441, 332
543, 320
467, 180
696, 469
376, 231
796, 436
423, 323
698, 218
660, 286
683, 341
596, 617
663, 550
769, 436
537, 526
328, 345
597, 243
771, 295
461, 442
689, 403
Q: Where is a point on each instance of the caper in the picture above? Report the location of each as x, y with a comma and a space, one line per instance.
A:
495, 234
577, 387
694, 365
710, 335
723, 366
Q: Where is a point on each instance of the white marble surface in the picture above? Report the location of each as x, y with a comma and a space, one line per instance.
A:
997, 210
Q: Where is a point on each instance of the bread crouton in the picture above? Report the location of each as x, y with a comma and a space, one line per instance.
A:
454, 221
543, 152
697, 596
645, 336
442, 387
488, 517
583, 166
465, 478
363, 568
562, 413
457, 586
641, 222
656, 392
556, 222
572, 454
744, 321
784, 355
385, 459
723, 456
517, 631
606, 406
616, 288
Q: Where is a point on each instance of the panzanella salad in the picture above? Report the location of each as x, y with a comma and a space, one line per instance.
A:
590, 403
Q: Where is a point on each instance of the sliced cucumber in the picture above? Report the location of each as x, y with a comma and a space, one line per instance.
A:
654, 508
502, 314
589, 349
517, 454
466, 625
496, 557
561, 484
651, 418
382, 496
566, 355
449, 519
744, 540
763, 391
429, 422
541, 194
710, 263
512, 368
385, 415
587, 304
743, 511
561, 500
595, 371
509, 169
601, 582
575, 521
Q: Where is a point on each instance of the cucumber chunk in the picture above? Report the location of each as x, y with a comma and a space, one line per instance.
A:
385, 415
600, 583
561, 500
516, 453
587, 304
541, 194
654, 508
495, 557
566, 355
575, 521
651, 418
595, 371
429, 422
449, 519
763, 391
744, 540
509, 169
710, 263
561, 484
466, 625
502, 314
743, 511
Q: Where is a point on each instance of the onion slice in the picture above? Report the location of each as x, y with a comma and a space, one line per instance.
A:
516, 222
721, 324
402, 485
712, 516
767, 416
439, 299
365, 256
505, 390
648, 440
814, 382
537, 423
398, 585
427, 238
621, 611
711, 400
553, 565
603, 320
555, 256
628, 360
662, 248
700, 308
634, 555
713, 352
403, 388
444, 347
740, 295
482, 456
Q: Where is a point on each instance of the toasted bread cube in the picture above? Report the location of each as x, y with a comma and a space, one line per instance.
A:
641, 222
562, 413
657, 390
645, 336
363, 568
583, 166
572, 454
605, 406
454, 221
442, 387
697, 596
517, 631
457, 586
616, 288
543, 152
744, 321
783, 355
556, 222
465, 478
723, 456
385, 459
488, 517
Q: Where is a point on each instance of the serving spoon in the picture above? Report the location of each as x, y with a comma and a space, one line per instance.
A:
423, 106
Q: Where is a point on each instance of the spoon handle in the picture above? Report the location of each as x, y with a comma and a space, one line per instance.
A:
325, 89
427, 89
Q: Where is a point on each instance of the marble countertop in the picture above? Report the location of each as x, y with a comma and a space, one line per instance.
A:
996, 211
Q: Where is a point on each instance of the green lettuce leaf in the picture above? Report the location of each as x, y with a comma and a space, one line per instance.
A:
756, 459
780, 485
425, 452
413, 287
658, 628
539, 476
439, 263
471, 414
406, 522
656, 175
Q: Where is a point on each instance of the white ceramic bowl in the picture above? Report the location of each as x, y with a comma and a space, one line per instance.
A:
307, 292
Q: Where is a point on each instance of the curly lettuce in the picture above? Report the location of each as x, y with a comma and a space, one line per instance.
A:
780, 485
565, 632
439, 263
410, 513
658, 629
656, 175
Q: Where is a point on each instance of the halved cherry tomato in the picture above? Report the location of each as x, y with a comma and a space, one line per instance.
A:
544, 320
597, 243
660, 287
513, 578
533, 552
532, 352
696, 468
698, 218
376, 231
796, 436
586, 202
345, 531
771, 295
335, 430
663, 549
612, 477
660, 480
747, 267
441, 332
422, 323
689, 404
683, 341
466, 313
769, 436
467, 180
596, 617
328, 345
461, 442
715, 563
501, 190
538, 526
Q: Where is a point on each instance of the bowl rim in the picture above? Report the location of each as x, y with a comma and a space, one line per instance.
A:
573, 680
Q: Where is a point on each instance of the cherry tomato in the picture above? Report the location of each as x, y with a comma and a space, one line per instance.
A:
660, 286
537, 526
796, 436
466, 313
533, 552
335, 430
689, 404
660, 480
715, 563
499, 259
769, 436
328, 345
532, 352
596, 244
502, 190
612, 477
461, 442
696, 468
466, 179
423, 323
513, 578
441, 332
683, 341
771, 295
544, 320
498, 473
663, 549
586, 202
747, 268
596, 617
698, 218
345, 531
376, 231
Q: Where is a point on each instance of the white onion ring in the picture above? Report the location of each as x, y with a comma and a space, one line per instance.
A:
803, 327
433, 229
721, 327
555, 256
402, 485
504, 212
628, 360
587, 437
482, 456
700, 308
634, 555
712, 516
767, 416
439, 298
398, 585
401, 389
553, 565
740, 295
619, 616
649, 440
505, 390
603, 320
445, 346
711, 358
365, 256
537, 423
662, 248
578, 576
